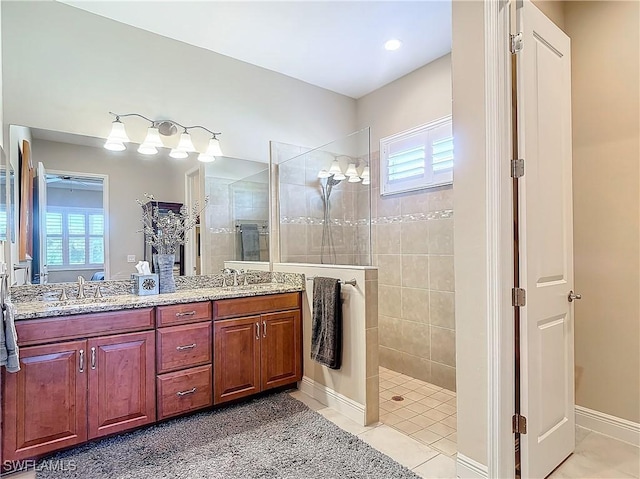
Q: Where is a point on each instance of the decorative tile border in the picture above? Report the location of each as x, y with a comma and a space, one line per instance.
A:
408, 218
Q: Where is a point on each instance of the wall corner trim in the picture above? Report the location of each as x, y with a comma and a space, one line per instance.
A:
467, 468
615, 427
345, 406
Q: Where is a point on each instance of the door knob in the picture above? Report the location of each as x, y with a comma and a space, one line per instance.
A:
573, 296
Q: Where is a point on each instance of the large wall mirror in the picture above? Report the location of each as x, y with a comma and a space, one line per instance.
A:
86, 221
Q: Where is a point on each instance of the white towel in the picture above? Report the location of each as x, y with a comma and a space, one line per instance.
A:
9, 355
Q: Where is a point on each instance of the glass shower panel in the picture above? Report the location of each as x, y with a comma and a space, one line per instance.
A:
325, 203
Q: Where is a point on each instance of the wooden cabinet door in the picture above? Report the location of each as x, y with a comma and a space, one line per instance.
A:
44, 404
121, 382
236, 358
281, 349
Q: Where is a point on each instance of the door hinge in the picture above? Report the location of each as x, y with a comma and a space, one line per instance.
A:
518, 297
519, 424
516, 42
517, 168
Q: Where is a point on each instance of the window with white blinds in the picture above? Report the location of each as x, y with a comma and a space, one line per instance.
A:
74, 237
418, 158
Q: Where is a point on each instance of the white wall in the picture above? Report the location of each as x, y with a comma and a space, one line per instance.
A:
470, 232
65, 68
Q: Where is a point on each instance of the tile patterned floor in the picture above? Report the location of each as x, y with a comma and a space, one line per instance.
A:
426, 413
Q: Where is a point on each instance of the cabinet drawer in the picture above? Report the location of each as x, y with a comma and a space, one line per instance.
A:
229, 308
37, 331
184, 391
180, 347
183, 313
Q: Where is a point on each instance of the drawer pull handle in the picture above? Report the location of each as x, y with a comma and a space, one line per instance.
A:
186, 313
81, 360
188, 346
184, 393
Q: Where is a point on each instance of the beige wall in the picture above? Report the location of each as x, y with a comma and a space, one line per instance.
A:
606, 158
413, 236
469, 234
65, 69
130, 176
553, 9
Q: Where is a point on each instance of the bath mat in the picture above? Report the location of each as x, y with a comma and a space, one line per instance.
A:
274, 436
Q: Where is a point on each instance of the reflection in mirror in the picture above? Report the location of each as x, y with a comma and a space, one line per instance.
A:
4, 196
238, 217
69, 162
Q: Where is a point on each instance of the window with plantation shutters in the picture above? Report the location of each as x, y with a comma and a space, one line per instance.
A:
418, 158
74, 237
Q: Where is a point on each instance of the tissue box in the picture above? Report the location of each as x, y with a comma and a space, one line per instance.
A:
145, 284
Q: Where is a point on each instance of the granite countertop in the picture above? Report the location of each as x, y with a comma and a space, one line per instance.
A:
45, 309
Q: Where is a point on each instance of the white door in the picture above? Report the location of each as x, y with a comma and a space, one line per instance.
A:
546, 236
42, 224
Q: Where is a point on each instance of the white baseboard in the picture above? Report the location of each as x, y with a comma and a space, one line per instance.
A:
467, 468
612, 426
345, 406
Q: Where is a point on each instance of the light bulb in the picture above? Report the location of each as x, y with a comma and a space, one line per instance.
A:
351, 171
323, 174
366, 181
153, 138
214, 148
204, 158
365, 172
147, 149
335, 168
339, 176
185, 144
178, 154
354, 179
114, 145
118, 133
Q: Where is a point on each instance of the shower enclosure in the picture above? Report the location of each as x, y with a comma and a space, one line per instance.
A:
324, 207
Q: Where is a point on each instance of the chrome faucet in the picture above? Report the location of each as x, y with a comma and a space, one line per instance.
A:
235, 274
81, 287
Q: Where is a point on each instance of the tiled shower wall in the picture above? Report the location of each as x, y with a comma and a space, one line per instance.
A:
301, 214
413, 249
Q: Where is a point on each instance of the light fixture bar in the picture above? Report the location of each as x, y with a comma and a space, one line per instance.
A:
118, 137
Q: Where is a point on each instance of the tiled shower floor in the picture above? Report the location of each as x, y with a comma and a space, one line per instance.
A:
426, 412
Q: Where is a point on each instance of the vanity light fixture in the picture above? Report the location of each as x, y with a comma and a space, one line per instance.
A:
335, 172
118, 137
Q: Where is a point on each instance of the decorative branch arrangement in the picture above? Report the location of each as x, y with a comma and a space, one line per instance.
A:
166, 232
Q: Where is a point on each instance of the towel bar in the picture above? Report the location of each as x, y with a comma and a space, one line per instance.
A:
352, 282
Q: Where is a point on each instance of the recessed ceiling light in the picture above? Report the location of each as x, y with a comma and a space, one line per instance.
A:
392, 44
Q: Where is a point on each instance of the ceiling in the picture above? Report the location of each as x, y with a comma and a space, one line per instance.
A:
337, 45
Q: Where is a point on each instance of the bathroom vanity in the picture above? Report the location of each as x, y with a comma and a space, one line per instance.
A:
101, 368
